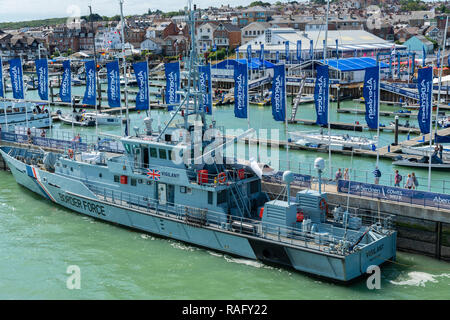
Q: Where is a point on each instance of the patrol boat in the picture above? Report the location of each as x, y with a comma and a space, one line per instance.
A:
160, 185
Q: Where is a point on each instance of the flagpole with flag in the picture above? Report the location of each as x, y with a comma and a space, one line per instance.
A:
440, 76
325, 44
378, 113
127, 123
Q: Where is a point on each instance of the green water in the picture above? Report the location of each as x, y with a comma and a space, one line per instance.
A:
39, 240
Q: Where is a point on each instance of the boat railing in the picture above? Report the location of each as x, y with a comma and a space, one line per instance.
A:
368, 217
204, 217
225, 177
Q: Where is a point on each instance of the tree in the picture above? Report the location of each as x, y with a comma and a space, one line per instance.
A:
260, 4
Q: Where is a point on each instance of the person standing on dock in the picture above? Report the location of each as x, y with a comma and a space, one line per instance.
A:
346, 175
409, 182
338, 175
441, 150
377, 175
415, 181
397, 179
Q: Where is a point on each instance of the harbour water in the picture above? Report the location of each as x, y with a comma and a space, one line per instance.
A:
39, 240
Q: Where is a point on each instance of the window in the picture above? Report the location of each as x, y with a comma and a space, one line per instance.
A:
210, 197
153, 153
133, 181
162, 153
99, 175
116, 179
222, 197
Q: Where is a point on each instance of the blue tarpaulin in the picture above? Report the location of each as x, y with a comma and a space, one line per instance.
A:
354, 64
254, 64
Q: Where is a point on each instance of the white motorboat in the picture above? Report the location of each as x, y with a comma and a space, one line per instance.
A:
76, 120
422, 164
335, 141
88, 119
426, 151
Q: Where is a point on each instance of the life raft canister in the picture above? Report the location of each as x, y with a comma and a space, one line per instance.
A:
222, 177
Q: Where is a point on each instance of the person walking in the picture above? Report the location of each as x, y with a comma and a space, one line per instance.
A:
409, 182
415, 181
397, 179
377, 175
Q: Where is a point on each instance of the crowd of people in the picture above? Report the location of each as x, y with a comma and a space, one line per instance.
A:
411, 181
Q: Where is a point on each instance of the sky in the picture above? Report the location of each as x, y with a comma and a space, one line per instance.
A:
20, 10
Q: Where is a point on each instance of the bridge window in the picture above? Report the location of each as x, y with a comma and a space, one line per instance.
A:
162, 153
116, 179
133, 182
153, 153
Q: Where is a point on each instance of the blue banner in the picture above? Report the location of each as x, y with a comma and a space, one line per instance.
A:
429, 199
240, 90
286, 50
113, 75
321, 94
277, 56
42, 76
91, 86
299, 50
370, 94
141, 74
65, 90
279, 93
261, 54
249, 52
425, 87
1, 79
16, 74
424, 56
237, 53
439, 58
206, 87
172, 84
311, 49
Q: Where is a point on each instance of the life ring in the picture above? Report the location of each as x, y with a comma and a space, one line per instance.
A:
70, 152
222, 177
323, 205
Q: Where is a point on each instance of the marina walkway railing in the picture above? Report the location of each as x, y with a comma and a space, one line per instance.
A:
367, 176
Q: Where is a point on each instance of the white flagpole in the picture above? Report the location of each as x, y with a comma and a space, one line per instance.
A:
286, 121
440, 78
124, 66
328, 95
378, 115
